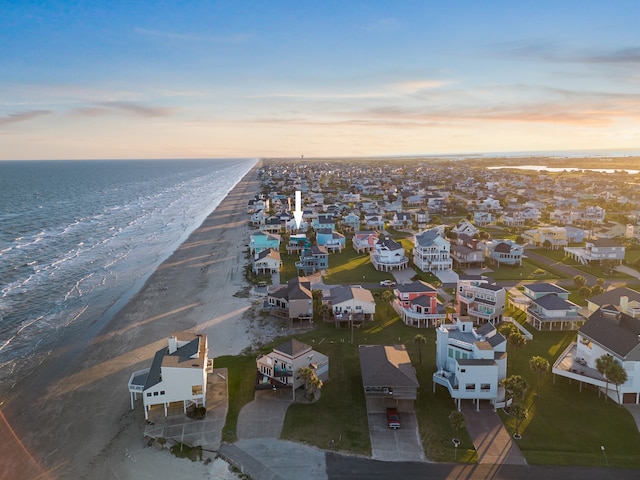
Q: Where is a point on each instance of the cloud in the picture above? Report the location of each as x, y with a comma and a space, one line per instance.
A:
233, 38
22, 117
136, 109
550, 53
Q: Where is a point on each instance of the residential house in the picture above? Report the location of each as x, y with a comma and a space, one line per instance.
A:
260, 241
267, 261
609, 230
388, 255
293, 301
480, 301
312, 260
606, 332
471, 362
365, 241
388, 377
483, 218
417, 304
624, 299
503, 252
178, 373
550, 309
421, 217
401, 220
271, 225
466, 252
431, 251
599, 250
549, 237
351, 221
324, 222
298, 243
373, 221
465, 227
330, 239
351, 302
280, 368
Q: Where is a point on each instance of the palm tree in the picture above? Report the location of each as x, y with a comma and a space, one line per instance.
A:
324, 311
579, 281
508, 329
539, 366
387, 297
516, 387
420, 340
617, 375
317, 297
312, 384
584, 292
517, 341
519, 413
603, 365
458, 421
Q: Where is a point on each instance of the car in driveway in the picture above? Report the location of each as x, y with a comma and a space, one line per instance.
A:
393, 420
387, 283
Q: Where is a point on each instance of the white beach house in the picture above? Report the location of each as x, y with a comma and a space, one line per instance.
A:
471, 362
178, 373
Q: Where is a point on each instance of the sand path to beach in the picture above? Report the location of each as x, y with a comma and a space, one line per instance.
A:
72, 417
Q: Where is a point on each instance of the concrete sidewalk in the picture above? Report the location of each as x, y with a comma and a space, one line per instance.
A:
490, 437
264, 459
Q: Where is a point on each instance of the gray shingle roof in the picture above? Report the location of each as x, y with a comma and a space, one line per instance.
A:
613, 296
551, 301
293, 348
386, 366
545, 287
619, 333
415, 287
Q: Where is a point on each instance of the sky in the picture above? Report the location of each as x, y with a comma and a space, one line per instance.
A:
279, 78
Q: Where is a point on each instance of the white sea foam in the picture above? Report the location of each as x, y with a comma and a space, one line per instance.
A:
71, 260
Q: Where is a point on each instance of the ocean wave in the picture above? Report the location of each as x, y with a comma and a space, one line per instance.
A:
72, 259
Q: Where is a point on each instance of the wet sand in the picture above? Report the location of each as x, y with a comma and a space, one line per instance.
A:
72, 418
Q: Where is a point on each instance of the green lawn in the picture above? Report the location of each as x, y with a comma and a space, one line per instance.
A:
339, 419
351, 267
528, 271
565, 426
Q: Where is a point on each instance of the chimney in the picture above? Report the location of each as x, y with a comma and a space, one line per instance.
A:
173, 344
624, 303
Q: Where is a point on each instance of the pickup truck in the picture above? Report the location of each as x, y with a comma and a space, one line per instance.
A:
393, 420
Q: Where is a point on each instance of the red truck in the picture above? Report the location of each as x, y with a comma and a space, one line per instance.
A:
393, 420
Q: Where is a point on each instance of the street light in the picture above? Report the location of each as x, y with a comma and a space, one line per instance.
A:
605, 455
456, 444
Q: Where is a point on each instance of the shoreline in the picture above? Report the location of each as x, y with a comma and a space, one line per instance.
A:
65, 419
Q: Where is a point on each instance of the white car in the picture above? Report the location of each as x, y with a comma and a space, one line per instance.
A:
387, 283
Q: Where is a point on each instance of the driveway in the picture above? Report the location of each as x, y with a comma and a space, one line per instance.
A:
264, 416
401, 445
490, 437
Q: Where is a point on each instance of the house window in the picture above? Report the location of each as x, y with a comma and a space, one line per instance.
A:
463, 370
196, 390
450, 353
162, 392
470, 386
148, 394
485, 387
155, 394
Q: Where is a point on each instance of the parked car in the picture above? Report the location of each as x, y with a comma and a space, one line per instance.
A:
387, 283
393, 420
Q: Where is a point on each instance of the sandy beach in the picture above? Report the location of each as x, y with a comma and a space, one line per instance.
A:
72, 417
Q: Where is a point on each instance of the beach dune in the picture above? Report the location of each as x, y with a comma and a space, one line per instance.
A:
72, 418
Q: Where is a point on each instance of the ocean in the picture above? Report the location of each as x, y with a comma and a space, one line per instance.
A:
79, 238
